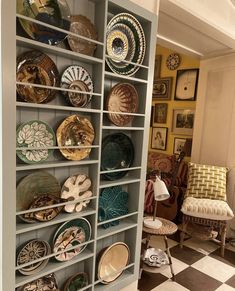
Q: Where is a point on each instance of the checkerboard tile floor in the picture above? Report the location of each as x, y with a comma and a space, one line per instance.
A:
198, 267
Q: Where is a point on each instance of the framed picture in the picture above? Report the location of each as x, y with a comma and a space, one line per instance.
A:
182, 121
162, 88
160, 114
179, 145
186, 85
159, 138
151, 118
157, 67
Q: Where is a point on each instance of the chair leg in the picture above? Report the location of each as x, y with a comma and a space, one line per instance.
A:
169, 257
182, 233
223, 239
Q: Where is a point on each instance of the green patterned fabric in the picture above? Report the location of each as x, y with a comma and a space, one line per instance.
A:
206, 182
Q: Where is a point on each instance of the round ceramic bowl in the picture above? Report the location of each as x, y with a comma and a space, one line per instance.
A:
76, 282
31, 251
56, 13
75, 131
47, 282
112, 261
35, 67
81, 25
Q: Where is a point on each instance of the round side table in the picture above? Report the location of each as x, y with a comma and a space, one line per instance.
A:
167, 228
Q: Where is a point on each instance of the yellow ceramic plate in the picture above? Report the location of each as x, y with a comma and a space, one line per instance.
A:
75, 131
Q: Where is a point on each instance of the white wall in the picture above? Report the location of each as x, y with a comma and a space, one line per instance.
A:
219, 13
214, 128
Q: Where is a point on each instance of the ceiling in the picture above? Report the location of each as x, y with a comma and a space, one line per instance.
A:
185, 32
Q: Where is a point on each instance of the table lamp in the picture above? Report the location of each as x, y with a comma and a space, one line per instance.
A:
160, 193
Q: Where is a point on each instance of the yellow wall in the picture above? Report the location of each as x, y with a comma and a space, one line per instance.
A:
186, 63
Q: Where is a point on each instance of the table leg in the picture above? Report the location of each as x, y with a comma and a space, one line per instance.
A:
146, 245
169, 257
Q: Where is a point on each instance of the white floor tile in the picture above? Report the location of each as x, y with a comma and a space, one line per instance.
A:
214, 268
170, 286
159, 243
165, 270
204, 247
225, 287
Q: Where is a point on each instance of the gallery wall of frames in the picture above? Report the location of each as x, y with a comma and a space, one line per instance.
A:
80, 119
174, 100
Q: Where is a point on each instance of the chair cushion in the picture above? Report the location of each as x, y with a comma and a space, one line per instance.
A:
207, 208
206, 181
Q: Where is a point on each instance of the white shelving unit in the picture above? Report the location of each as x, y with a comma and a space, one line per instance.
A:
16, 232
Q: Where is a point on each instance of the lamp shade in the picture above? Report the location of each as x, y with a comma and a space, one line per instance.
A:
160, 191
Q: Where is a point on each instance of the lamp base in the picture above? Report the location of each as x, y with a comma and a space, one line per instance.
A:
150, 223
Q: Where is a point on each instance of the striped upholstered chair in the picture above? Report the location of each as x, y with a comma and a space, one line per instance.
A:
205, 209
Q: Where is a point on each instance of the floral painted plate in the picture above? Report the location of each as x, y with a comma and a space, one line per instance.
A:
123, 98
31, 251
113, 202
76, 282
71, 234
34, 134
76, 187
45, 283
117, 153
53, 12
81, 25
77, 78
37, 68
75, 131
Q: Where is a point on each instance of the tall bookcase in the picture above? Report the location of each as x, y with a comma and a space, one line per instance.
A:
15, 232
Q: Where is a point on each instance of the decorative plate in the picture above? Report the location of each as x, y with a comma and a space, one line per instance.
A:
31, 251
37, 68
123, 97
117, 153
140, 44
155, 257
76, 187
71, 234
53, 12
113, 43
117, 45
45, 283
81, 25
76, 282
32, 187
77, 78
113, 202
75, 131
34, 134
173, 61
114, 258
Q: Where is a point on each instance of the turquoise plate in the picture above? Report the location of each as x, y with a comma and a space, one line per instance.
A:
113, 202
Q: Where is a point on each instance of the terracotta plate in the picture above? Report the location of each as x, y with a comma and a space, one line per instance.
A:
37, 68
55, 13
114, 258
47, 282
81, 25
75, 131
123, 97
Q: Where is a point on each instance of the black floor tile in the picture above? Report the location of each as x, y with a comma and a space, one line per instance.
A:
186, 255
149, 281
231, 282
195, 280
